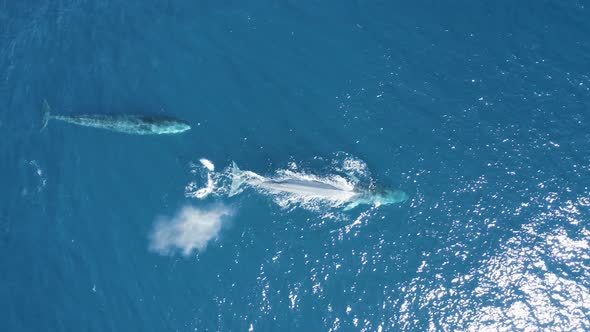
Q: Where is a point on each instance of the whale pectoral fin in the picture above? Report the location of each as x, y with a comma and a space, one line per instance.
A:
351, 206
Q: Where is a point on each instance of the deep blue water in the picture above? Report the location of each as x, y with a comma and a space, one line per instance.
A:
479, 110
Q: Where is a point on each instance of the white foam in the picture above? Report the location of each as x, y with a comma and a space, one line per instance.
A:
208, 164
206, 191
192, 191
189, 230
355, 166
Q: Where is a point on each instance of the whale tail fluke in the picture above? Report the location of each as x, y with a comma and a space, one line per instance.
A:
45, 114
237, 179
240, 178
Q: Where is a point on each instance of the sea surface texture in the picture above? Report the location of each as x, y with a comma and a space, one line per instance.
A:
478, 110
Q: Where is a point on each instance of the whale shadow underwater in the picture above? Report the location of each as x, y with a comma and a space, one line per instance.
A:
122, 123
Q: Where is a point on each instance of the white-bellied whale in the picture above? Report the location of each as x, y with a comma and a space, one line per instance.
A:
129, 124
344, 194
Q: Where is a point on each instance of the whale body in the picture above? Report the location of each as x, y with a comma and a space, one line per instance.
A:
343, 193
129, 124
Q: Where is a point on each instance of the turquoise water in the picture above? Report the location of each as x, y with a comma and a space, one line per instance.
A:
479, 111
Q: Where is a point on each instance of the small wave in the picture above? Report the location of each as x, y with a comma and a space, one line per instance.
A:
42, 179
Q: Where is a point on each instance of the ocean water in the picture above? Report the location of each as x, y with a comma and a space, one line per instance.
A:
480, 111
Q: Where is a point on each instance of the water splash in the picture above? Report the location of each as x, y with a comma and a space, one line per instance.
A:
191, 229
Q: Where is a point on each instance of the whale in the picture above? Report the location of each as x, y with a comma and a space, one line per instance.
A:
124, 123
344, 194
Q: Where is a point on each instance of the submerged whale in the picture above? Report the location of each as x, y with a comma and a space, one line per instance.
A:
342, 193
129, 124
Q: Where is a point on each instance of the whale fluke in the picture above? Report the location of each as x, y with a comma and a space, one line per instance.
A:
45, 115
237, 179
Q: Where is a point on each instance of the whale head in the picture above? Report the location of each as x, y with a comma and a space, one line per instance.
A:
378, 198
171, 126
389, 197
